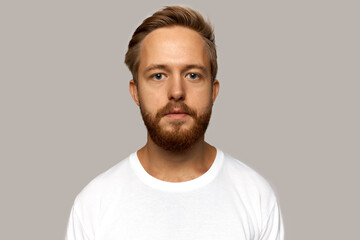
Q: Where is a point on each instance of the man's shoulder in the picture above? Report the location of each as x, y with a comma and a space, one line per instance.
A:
245, 178
245, 183
106, 183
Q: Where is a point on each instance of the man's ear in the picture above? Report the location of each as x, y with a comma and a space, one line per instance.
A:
215, 90
134, 91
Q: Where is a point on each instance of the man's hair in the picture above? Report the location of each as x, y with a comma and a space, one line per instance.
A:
167, 17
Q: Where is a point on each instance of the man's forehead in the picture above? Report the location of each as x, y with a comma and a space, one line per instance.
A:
173, 46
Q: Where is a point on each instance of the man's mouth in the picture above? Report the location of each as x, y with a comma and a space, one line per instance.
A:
177, 111
176, 114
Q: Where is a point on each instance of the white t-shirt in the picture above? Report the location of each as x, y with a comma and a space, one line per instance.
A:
230, 201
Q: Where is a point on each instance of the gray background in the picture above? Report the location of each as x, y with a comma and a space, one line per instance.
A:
288, 105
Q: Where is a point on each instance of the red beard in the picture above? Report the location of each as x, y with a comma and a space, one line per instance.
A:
176, 140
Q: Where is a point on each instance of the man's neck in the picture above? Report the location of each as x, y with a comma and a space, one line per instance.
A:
177, 166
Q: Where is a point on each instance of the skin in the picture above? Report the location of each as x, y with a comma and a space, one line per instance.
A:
168, 58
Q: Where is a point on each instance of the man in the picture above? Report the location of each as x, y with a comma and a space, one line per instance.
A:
177, 186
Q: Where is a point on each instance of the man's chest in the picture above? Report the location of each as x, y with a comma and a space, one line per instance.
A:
210, 217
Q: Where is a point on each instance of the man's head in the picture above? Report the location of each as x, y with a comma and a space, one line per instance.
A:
171, 16
174, 80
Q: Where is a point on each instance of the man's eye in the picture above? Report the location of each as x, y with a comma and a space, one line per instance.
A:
193, 76
158, 76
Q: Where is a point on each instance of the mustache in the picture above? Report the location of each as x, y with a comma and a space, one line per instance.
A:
171, 106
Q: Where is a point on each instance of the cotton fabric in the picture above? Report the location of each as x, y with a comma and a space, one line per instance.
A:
230, 201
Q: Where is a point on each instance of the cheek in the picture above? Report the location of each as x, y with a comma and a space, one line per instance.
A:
151, 100
201, 98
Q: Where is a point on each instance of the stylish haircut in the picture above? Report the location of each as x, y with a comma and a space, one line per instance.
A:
167, 17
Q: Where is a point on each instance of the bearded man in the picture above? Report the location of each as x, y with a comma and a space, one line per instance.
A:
177, 186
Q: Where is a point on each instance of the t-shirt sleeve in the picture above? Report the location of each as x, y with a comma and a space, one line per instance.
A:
273, 228
76, 229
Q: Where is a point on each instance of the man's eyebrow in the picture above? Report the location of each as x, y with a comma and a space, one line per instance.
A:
197, 66
156, 66
186, 68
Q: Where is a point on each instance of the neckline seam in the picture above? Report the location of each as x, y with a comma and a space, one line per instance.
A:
185, 186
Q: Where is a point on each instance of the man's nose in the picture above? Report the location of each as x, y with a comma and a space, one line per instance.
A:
176, 88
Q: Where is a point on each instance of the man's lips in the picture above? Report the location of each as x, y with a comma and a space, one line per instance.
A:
177, 111
176, 114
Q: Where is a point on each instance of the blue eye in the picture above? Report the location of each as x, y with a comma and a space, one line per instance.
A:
158, 76
193, 76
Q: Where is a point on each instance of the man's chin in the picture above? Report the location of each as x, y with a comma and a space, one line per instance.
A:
174, 141
177, 127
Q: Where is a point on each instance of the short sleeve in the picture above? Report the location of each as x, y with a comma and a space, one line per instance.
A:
273, 228
75, 229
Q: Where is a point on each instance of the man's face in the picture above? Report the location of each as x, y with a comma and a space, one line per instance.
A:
174, 90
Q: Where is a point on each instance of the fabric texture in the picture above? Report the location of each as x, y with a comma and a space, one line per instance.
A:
230, 201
